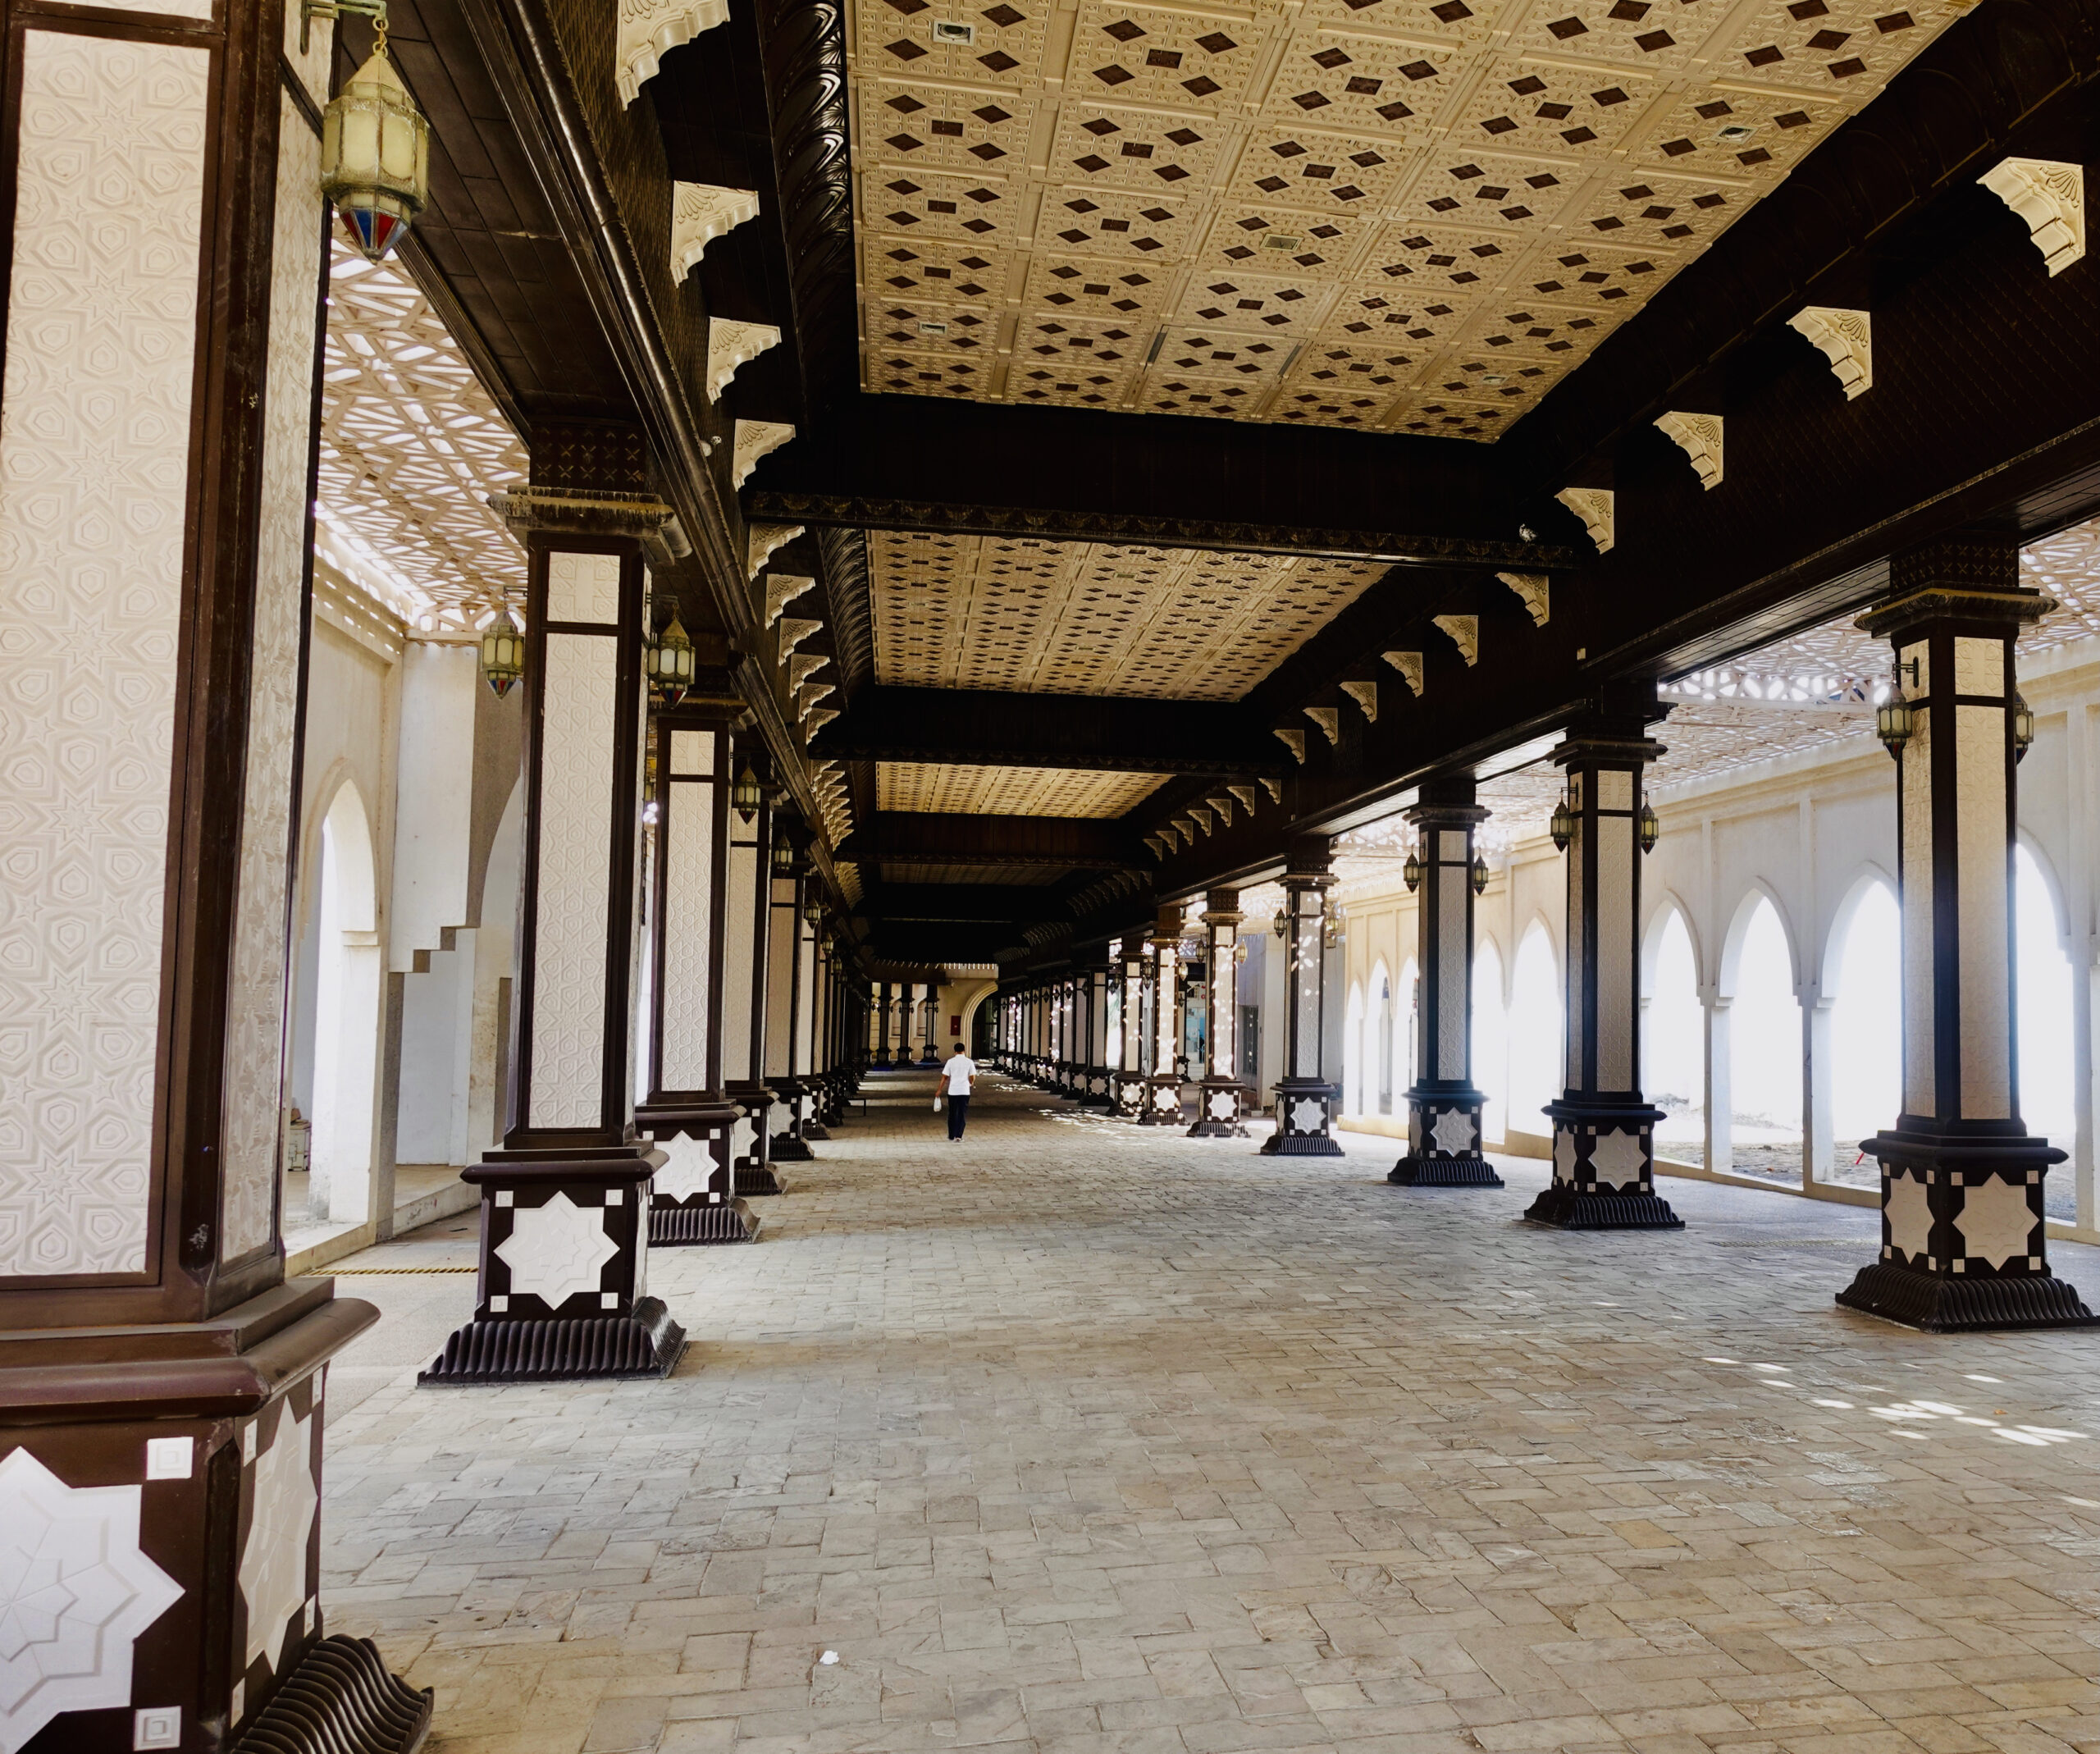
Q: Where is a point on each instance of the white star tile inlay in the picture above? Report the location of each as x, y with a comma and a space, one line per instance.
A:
1996, 1222
1307, 1115
1910, 1217
1617, 1158
273, 1568
687, 1165
556, 1251
75, 1590
1454, 1132
1563, 1155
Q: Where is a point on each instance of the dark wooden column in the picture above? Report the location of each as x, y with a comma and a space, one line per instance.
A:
821, 1074
883, 1007
787, 999
1221, 1102
1305, 1101
1604, 1130
687, 1112
563, 1291
162, 1382
1443, 1106
1964, 1244
1095, 974
745, 974
1130, 964
1163, 1021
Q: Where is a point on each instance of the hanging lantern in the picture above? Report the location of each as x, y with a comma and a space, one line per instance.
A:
503, 651
1562, 827
783, 858
1411, 871
1276, 923
667, 658
1651, 830
1480, 874
375, 154
1337, 925
1893, 724
745, 792
2023, 727
813, 911
1240, 952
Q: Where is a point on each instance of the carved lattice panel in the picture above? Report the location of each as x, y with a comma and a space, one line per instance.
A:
1008, 791
1509, 138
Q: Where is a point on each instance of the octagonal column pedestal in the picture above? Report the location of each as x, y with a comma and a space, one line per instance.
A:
162, 1385
1162, 1048
1604, 1130
563, 1293
747, 889
1443, 1106
789, 974
693, 1198
1130, 967
1304, 1100
1222, 1097
1964, 1245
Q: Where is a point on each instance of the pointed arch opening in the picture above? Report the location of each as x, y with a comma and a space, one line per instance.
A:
1673, 1036
1536, 1073
1490, 1039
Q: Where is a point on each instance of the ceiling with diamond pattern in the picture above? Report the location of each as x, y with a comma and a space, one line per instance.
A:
1385, 214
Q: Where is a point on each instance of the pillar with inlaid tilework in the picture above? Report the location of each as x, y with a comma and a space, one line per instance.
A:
1163, 1021
787, 993
693, 1198
1604, 1130
1304, 1098
747, 976
562, 1292
1443, 1106
1964, 1242
1220, 1100
1097, 1069
1131, 965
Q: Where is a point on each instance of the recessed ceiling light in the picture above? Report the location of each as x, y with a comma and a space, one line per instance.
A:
1735, 132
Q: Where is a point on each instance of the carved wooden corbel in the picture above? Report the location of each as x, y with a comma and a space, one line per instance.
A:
1699, 437
781, 589
732, 345
701, 213
1365, 694
1328, 719
1595, 506
1846, 339
2050, 195
756, 439
1409, 664
1294, 742
649, 30
1533, 589
760, 540
1465, 634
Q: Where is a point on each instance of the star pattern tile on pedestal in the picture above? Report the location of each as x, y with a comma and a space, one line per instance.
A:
1617, 1158
273, 1563
1306, 1115
1563, 1155
687, 1164
555, 1251
76, 1591
1454, 1132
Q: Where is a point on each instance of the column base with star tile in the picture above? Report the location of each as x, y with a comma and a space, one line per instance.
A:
1444, 1108
563, 1292
1604, 1129
1304, 1098
1964, 1244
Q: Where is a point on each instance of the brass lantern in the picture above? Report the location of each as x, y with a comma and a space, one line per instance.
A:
1480, 874
669, 660
1411, 871
2023, 727
745, 793
375, 154
1562, 827
813, 910
783, 858
503, 651
1277, 925
1651, 830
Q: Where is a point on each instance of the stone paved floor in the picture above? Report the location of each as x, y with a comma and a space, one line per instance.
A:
1082, 1438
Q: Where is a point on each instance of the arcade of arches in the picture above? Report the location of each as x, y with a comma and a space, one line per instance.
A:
1458, 646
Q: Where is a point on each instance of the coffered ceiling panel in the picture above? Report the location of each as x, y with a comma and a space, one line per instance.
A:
1008, 791
1079, 618
1312, 175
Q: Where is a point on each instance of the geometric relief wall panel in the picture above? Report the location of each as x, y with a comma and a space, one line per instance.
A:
1306, 174
1071, 617
688, 929
94, 451
573, 914
255, 1027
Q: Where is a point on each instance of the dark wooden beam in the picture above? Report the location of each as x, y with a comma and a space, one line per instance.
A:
1004, 905
891, 837
1104, 733
917, 463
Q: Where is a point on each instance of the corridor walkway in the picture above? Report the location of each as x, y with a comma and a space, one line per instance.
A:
1082, 1438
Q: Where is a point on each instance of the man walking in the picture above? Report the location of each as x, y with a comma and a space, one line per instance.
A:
956, 1077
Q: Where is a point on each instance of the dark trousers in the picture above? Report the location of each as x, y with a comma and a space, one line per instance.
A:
958, 1114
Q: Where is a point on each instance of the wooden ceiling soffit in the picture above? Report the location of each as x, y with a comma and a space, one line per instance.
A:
1106, 734
919, 837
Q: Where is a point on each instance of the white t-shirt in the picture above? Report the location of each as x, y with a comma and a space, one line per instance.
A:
958, 1072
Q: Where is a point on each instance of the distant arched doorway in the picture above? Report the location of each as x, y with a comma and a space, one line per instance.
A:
346, 997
